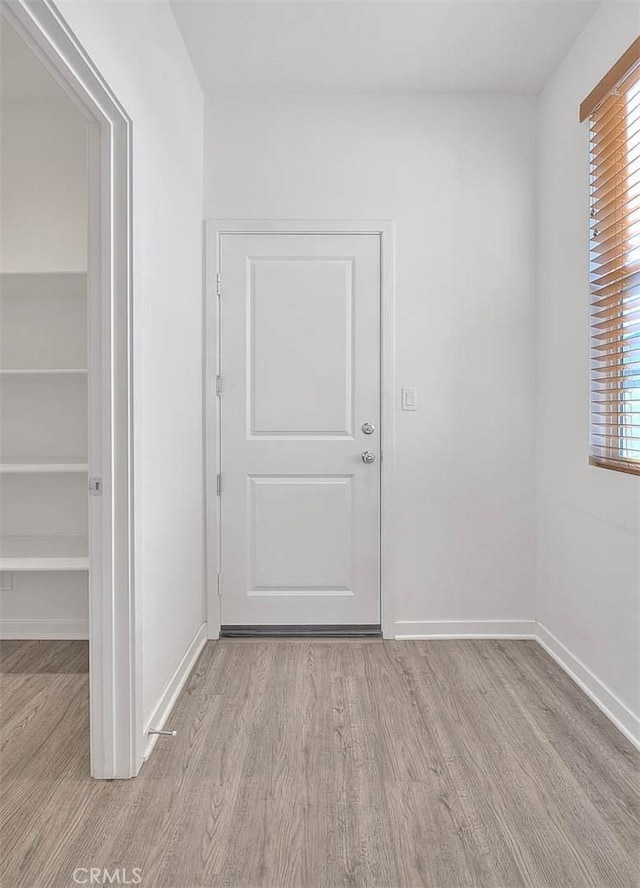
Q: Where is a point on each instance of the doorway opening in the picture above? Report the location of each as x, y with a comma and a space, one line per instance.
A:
66, 546
299, 427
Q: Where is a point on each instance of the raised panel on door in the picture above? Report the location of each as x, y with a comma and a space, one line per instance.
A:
317, 513
301, 348
300, 360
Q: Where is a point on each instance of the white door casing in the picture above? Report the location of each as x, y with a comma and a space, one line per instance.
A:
300, 365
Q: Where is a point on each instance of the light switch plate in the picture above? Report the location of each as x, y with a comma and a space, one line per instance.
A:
409, 399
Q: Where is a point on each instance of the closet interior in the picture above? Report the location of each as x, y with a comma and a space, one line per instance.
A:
44, 553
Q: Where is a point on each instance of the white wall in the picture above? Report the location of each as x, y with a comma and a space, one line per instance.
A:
139, 51
457, 175
43, 174
45, 604
588, 558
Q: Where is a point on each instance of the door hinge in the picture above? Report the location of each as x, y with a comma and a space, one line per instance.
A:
219, 584
219, 284
95, 486
218, 484
218, 385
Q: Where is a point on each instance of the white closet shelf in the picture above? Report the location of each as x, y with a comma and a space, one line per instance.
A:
44, 553
71, 272
46, 371
19, 465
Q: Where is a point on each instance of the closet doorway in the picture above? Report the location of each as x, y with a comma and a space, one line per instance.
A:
66, 547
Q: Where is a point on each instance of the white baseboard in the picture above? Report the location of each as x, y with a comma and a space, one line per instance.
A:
177, 681
62, 630
417, 629
615, 710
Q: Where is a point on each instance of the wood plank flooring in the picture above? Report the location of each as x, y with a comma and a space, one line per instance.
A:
446, 764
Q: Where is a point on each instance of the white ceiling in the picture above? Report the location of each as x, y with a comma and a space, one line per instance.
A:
22, 77
378, 45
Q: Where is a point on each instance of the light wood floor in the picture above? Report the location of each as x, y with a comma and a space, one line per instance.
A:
382, 764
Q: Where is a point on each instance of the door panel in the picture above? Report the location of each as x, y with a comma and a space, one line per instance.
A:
316, 512
301, 347
300, 360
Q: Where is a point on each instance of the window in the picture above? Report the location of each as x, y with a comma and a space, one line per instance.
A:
614, 113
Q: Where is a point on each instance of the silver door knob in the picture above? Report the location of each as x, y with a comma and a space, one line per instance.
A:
368, 428
368, 456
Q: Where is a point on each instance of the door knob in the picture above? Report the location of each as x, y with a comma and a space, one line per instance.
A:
368, 456
368, 428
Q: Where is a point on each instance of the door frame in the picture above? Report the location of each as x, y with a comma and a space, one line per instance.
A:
213, 231
116, 729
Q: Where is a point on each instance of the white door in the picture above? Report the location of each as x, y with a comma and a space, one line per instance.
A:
300, 365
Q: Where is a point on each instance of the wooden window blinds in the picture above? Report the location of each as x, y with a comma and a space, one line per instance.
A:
615, 266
